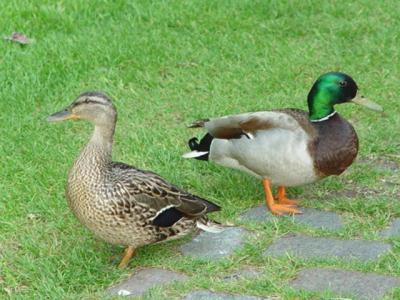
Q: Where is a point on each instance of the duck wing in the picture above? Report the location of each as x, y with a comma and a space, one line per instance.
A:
169, 202
234, 126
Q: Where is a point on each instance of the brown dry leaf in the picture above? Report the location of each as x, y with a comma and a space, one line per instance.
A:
18, 37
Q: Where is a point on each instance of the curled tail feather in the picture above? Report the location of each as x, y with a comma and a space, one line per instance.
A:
200, 150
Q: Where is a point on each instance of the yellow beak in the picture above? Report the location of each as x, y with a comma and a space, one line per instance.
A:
367, 103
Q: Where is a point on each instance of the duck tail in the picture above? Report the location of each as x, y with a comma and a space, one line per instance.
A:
209, 226
200, 150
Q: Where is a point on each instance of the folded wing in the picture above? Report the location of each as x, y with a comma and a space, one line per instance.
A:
235, 126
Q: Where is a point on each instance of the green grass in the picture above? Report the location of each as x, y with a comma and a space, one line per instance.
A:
166, 63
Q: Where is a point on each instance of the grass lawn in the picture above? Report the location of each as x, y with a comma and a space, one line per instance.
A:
167, 63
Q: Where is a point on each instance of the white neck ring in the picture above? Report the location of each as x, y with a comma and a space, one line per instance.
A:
325, 118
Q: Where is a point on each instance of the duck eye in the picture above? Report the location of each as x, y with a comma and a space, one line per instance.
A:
342, 83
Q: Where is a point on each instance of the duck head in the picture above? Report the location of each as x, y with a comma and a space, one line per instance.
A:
94, 107
334, 88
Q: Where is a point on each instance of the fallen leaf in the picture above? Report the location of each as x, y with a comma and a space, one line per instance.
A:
18, 38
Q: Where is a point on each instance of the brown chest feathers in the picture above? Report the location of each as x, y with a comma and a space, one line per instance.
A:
333, 145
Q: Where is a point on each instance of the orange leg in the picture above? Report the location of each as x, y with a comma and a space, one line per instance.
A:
276, 209
282, 197
128, 253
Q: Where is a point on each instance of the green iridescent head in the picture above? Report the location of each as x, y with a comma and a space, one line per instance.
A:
334, 88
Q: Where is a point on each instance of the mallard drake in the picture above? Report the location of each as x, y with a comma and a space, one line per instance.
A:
287, 147
119, 203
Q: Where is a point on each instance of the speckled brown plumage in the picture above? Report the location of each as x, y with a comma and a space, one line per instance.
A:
120, 203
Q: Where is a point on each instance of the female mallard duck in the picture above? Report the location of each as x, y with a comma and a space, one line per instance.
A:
287, 147
117, 202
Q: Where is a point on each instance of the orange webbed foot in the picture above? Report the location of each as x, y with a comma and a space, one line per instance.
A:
282, 199
290, 202
284, 205
282, 209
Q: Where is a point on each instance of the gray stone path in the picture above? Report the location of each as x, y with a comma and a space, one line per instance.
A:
313, 247
244, 273
393, 230
143, 280
207, 295
216, 245
318, 219
344, 283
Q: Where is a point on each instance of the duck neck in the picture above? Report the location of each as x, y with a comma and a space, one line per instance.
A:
97, 155
320, 106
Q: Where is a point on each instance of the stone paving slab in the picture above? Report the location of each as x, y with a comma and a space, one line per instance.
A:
208, 295
244, 273
393, 230
314, 247
216, 245
315, 218
143, 280
342, 282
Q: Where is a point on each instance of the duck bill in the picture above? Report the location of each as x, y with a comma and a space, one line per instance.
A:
62, 115
358, 99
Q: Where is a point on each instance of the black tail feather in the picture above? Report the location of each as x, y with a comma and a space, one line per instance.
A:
204, 145
211, 206
193, 143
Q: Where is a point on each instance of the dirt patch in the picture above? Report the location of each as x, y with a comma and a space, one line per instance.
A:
351, 193
381, 163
